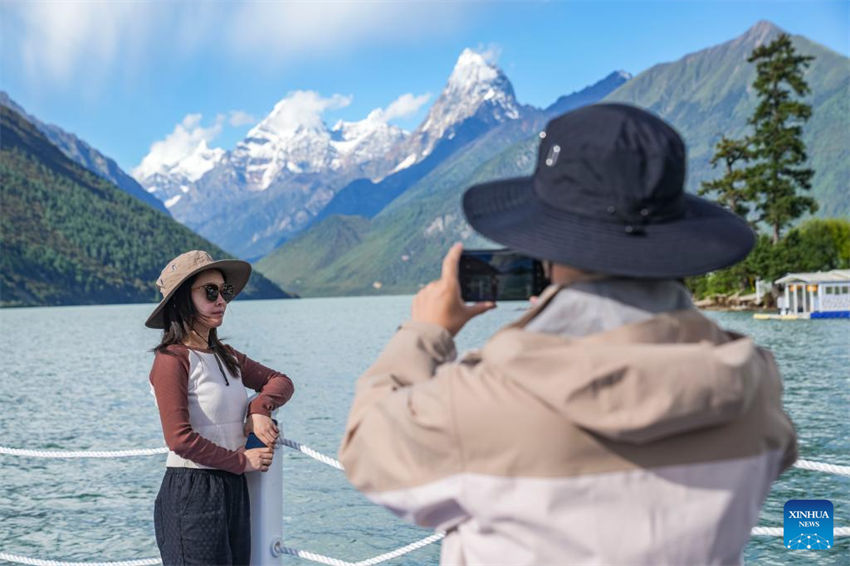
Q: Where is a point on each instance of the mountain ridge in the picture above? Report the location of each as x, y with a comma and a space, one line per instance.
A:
71, 237
477, 96
85, 155
426, 219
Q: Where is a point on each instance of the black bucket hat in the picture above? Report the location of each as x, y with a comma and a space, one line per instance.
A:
608, 196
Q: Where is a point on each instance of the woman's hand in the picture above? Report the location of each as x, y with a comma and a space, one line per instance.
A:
257, 459
263, 427
440, 302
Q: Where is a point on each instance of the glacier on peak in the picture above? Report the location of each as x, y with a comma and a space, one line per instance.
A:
197, 163
168, 175
472, 67
191, 163
473, 84
303, 144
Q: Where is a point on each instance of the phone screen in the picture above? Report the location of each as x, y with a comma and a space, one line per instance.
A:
499, 275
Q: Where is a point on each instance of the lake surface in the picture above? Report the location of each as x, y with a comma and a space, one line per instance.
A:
75, 378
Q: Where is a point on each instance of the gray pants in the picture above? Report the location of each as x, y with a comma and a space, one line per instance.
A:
203, 517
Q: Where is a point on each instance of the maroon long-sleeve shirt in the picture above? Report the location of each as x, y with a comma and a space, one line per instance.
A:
202, 409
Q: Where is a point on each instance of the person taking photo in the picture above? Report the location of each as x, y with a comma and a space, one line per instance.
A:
612, 423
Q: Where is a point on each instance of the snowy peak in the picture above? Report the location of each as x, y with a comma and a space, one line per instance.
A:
204, 158
293, 140
269, 151
171, 169
190, 164
366, 139
473, 82
476, 87
472, 69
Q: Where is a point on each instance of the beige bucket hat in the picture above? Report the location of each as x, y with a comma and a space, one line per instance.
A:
236, 272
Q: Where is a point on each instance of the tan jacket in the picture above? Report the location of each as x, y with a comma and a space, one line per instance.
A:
652, 443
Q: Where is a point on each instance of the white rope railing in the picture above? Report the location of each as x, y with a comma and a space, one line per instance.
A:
823, 467
82, 453
38, 562
304, 554
312, 453
306, 450
321, 559
778, 531
313, 557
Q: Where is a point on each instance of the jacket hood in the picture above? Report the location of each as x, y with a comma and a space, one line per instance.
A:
638, 383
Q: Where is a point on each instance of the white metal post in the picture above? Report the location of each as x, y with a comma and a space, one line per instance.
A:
266, 492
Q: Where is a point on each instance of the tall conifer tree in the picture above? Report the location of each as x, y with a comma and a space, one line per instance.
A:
776, 144
731, 190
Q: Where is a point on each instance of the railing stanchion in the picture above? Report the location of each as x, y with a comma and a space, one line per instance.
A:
266, 492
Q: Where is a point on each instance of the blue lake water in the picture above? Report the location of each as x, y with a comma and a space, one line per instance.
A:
76, 378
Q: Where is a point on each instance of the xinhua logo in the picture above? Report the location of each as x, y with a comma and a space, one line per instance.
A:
808, 524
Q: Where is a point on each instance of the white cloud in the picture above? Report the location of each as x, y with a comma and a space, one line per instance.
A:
303, 108
402, 107
187, 136
240, 118
280, 30
491, 53
60, 40
64, 41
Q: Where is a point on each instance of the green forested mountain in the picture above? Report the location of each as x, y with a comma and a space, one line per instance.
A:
313, 249
705, 95
708, 94
70, 237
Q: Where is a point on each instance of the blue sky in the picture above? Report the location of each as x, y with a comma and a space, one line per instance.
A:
123, 75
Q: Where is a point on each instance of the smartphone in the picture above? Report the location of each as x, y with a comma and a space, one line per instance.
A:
253, 442
499, 275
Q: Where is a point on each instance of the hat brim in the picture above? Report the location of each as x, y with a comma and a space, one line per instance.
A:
236, 272
705, 238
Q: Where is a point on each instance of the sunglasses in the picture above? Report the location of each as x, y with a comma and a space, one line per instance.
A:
212, 290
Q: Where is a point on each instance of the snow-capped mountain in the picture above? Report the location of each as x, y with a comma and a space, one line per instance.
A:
282, 146
170, 179
286, 169
368, 144
476, 88
292, 164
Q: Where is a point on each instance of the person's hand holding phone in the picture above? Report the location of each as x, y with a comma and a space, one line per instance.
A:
263, 427
440, 302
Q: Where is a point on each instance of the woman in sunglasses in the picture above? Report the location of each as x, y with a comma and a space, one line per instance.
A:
202, 514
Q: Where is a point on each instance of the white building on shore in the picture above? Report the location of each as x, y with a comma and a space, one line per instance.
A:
824, 294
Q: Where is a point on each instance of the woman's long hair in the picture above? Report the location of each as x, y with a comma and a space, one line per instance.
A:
179, 316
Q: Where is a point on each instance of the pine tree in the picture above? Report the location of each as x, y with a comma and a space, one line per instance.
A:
731, 190
776, 144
